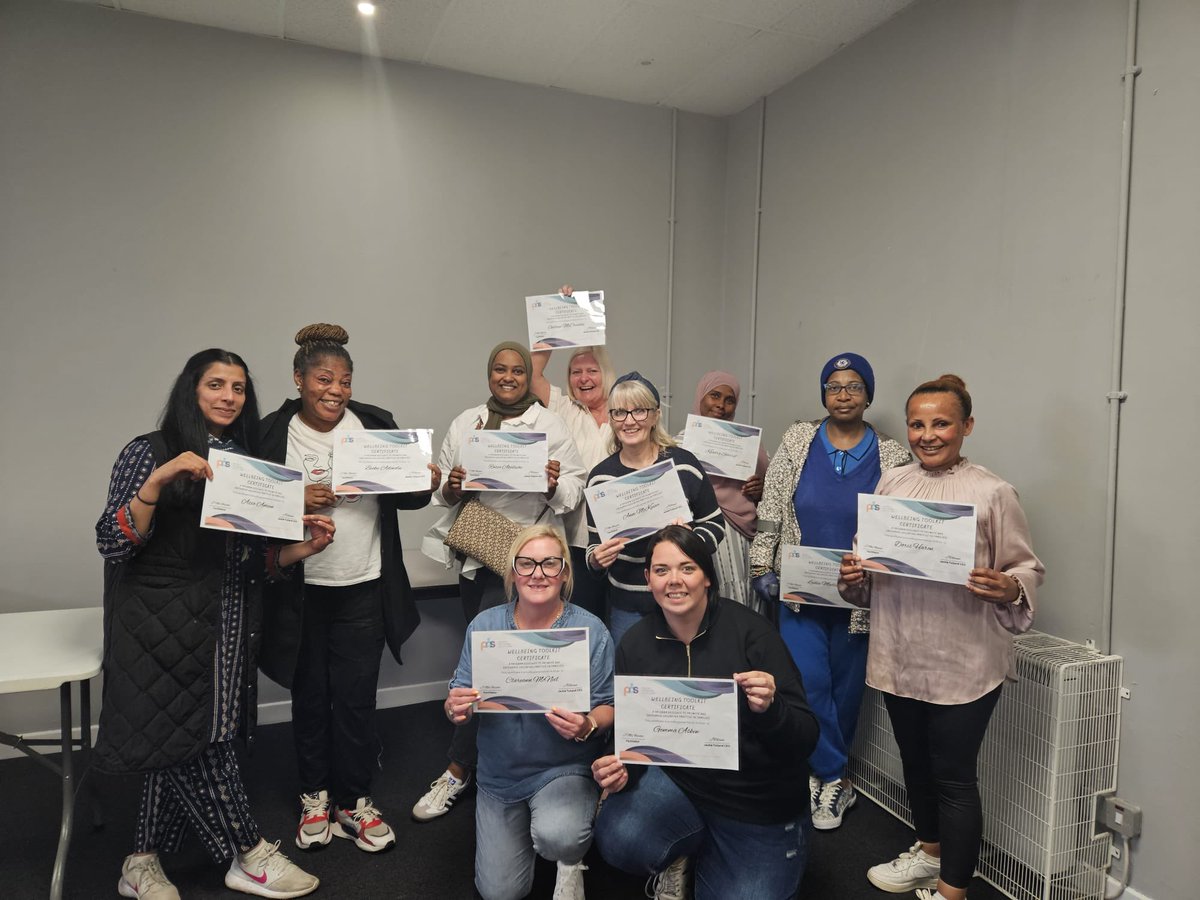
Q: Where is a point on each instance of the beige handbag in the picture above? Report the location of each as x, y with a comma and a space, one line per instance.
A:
483, 534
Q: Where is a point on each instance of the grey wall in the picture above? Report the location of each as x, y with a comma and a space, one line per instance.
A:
942, 196
166, 187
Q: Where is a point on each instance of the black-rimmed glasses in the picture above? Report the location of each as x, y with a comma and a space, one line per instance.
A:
551, 566
639, 414
855, 388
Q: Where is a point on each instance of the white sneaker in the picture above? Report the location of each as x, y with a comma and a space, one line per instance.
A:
366, 826
671, 882
814, 791
266, 872
440, 797
930, 895
833, 801
912, 869
314, 830
569, 883
142, 876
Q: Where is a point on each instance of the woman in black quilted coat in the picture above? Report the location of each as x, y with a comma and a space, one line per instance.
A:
181, 618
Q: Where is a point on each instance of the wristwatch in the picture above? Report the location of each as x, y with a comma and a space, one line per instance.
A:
590, 731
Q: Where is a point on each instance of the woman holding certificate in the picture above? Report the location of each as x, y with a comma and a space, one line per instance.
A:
512, 407
811, 499
717, 398
639, 440
326, 627
940, 652
743, 827
181, 620
584, 410
536, 794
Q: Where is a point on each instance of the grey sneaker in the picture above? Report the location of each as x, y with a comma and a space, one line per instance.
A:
832, 802
365, 826
569, 883
912, 869
314, 830
142, 877
671, 882
440, 797
265, 872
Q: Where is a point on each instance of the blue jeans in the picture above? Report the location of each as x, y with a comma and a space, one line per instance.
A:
620, 621
650, 824
833, 664
555, 823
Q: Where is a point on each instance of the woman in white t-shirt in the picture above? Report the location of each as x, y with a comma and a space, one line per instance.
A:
325, 628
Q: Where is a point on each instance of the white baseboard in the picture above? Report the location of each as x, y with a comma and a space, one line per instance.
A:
279, 711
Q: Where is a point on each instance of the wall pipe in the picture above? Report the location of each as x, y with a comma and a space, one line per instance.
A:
666, 394
758, 211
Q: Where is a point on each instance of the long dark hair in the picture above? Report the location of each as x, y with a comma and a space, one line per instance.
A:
691, 546
182, 423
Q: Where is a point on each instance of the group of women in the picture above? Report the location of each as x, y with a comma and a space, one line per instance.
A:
190, 613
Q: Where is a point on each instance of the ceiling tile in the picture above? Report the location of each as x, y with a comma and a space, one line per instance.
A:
679, 47
765, 62
402, 28
522, 40
755, 13
251, 16
838, 21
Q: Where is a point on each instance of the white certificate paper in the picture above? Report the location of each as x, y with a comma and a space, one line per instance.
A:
382, 461
676, 721
810, 574
916, 538
505, 460
724, 448
638, 504
556, 320
253, 496
531, 671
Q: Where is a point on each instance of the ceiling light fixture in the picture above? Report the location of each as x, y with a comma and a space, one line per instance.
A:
367, 9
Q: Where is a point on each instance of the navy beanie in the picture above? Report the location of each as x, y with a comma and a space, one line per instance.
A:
849, 361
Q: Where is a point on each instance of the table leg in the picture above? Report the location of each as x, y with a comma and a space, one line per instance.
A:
68, 793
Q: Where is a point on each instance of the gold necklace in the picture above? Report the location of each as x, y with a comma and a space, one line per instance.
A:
517, 619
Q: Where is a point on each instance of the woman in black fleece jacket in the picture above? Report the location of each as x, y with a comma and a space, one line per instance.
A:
744, 828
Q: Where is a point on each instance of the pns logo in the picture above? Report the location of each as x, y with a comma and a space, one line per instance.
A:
871, 506
474, 439
347, 439
629, 689
600, 495
486, 644
536, 304
223, 464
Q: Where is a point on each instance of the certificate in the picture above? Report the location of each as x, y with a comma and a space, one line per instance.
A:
504, 460
531, 671
916, 538
253, 496
556, 320
810, 575
382, 462
726, 449
638, 504
676, 721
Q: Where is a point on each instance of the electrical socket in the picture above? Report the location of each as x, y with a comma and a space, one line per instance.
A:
1120, 816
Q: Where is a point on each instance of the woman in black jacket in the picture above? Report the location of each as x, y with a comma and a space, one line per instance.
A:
744, 828
325, 628
181, 622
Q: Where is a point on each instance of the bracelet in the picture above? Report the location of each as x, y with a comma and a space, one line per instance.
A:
591, 730
137, 495
1020, 592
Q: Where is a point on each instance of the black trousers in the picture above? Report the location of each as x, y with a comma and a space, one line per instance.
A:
482, 592
333, 692
939, 748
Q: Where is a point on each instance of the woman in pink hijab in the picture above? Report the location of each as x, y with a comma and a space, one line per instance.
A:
717, 398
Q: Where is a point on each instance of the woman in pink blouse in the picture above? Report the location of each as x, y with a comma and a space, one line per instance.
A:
940, 652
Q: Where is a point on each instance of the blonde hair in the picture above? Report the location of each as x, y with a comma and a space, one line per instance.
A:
635, 395
608, 375
532, 533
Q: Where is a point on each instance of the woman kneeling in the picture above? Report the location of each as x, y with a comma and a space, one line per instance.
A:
535, 792
744, 828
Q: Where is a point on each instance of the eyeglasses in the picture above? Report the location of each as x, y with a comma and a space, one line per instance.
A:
551, 566
639, 414
854, 388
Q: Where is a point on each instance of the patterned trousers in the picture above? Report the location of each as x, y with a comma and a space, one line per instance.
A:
204, 792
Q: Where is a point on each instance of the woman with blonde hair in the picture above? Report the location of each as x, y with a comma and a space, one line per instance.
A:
536, 795
940, 652
639, 440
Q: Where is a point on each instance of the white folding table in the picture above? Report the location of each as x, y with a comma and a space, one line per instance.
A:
54, 649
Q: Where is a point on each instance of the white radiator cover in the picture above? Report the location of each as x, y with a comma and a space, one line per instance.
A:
1050, 751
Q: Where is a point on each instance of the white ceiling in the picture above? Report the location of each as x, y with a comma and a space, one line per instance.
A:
706, 56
